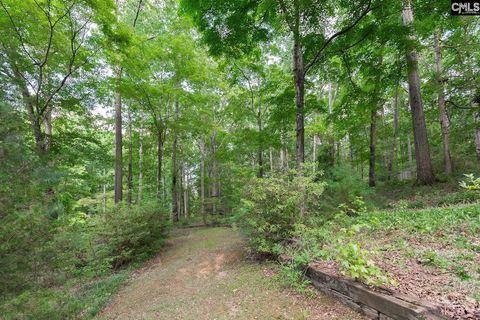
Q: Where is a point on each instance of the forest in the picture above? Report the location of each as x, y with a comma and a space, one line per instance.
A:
196, 159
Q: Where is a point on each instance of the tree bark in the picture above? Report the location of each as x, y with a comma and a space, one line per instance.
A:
373, 146
282, 159
271, 159
214, 174
299, 76
47, 121
130, 159
425, 174
160, 143
140, 161
350, 149
175, 215
104, 192
260, 142
391, 159
476, 118
202, 182
185, 191
181, 192
444, 121
118, 140
331, 140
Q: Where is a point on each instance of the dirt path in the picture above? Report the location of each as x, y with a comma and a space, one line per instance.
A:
204, 274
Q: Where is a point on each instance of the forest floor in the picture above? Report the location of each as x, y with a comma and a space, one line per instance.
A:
207, 274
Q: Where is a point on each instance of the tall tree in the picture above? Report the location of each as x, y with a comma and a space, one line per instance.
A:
444, 120
422, 153
237, 28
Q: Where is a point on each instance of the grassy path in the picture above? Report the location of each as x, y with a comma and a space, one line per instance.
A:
204, 274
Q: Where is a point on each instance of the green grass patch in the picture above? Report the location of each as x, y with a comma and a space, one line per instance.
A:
76, 300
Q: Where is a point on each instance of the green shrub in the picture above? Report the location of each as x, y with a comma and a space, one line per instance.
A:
354, 260
470, 182
40, 255
357, 207
272, 207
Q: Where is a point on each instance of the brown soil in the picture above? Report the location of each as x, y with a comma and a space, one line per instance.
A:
416, 278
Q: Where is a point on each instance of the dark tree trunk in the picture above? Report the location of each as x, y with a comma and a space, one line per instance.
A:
130, 158
350, 149
260, 164
425, 174
159, 162
391, 159
181, 212
373, 146
260, 142
174, 170
185, 190
202, 181
140, 162
118, 141
444, 121
299, 76
214, 173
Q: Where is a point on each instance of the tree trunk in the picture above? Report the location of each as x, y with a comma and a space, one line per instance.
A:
34, 119
444, 121
47, 121
391, 159
104, 192
175, 215
140, 162
299, 76
385, 147
202, 182
260, 142
373, 146
159, 162
214, 174
185, 191
181, 211
260, 164
130, 158
476, 117
350, 148
287, 159
118, 141
331, 140
425, 174
271, 159
282, 159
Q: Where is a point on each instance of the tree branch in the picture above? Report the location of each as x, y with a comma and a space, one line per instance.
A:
335, 35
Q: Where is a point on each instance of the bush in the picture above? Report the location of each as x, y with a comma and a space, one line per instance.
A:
272, 207
40, 255
470, 182
354, 260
